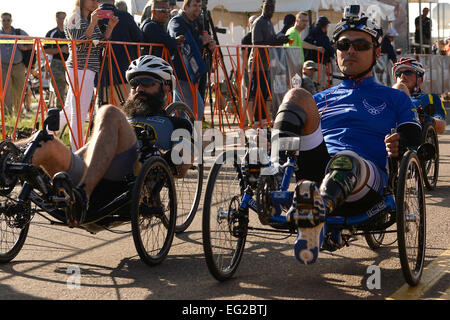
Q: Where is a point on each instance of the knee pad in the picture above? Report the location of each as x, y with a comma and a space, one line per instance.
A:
345, 172
290, 120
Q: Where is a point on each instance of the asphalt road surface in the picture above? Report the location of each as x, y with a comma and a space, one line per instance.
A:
61, 263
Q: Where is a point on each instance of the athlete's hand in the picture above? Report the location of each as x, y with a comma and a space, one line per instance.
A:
392, 142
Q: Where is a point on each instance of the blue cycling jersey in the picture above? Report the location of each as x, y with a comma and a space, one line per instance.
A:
423, 99
357, 115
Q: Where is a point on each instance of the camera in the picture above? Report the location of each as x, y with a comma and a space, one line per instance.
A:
352, 12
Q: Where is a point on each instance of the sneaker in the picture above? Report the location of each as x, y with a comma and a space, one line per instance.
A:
308, 208
69, 198
309, 217
309, 241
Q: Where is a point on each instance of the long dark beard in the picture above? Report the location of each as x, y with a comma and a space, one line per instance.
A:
143, 104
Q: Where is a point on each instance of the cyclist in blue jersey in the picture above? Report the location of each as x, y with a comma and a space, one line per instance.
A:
97, 173
410, 72
344, 137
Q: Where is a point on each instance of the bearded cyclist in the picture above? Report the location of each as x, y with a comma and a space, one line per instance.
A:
343, 157
97, 173
410, 72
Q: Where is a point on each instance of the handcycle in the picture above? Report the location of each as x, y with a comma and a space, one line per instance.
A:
189, 187
26, 190
430, 167
237, 187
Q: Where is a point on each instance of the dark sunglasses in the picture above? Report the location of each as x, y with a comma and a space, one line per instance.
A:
162, 9
145, 82
399, 73
6, 20
358, 44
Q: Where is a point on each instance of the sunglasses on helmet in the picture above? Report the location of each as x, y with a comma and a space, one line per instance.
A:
145, 82
358, 44
407, 72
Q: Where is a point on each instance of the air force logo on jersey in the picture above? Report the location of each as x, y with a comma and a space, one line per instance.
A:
374, 110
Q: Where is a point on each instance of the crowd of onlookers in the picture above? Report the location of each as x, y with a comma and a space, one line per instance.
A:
163, 23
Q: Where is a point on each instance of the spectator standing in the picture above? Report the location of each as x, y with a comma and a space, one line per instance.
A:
247, 41
154, 29
426, 30
318, 36
188, 21
309, 69
263, 34
126, 30
294, 34
288, 22
386, 45
17, 77
57, 62
83, 25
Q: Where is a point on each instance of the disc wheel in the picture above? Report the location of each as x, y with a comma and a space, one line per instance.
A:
224, 226
430, 168
411, 218
153, 211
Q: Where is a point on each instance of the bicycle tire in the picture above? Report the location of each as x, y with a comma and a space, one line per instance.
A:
430, 168
411, 218
153, 177
220, 212
192, 181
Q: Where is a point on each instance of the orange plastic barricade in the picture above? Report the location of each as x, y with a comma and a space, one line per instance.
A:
226, 103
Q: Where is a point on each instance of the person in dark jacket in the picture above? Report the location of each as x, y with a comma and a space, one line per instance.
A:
318, 36
386, 45
188, 21
154, 29
125, 31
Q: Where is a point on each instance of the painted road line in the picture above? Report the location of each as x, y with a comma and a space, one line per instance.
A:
431, 274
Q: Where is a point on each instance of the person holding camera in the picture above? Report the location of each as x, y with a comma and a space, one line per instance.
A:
187, 21
83, 25
125, 31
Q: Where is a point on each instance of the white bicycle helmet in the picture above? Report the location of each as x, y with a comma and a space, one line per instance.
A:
152, 66
409, 63
364, 24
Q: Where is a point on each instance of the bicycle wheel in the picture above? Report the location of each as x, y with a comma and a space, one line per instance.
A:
153, 211
430, 168
411, 218
224, 227
374, 240
14, 216
188, 188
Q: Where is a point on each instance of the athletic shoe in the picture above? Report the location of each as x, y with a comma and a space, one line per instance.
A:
310, 217
75, 200
309, 241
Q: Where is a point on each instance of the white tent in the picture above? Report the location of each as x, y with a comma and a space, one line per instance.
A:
385, 11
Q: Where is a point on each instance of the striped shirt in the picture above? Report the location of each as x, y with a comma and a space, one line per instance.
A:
95, 55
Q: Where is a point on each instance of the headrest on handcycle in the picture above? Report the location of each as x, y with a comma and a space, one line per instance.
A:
51, 123
426, 151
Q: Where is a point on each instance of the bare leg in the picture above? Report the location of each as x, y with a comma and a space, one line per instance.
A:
53, 155
112, 135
